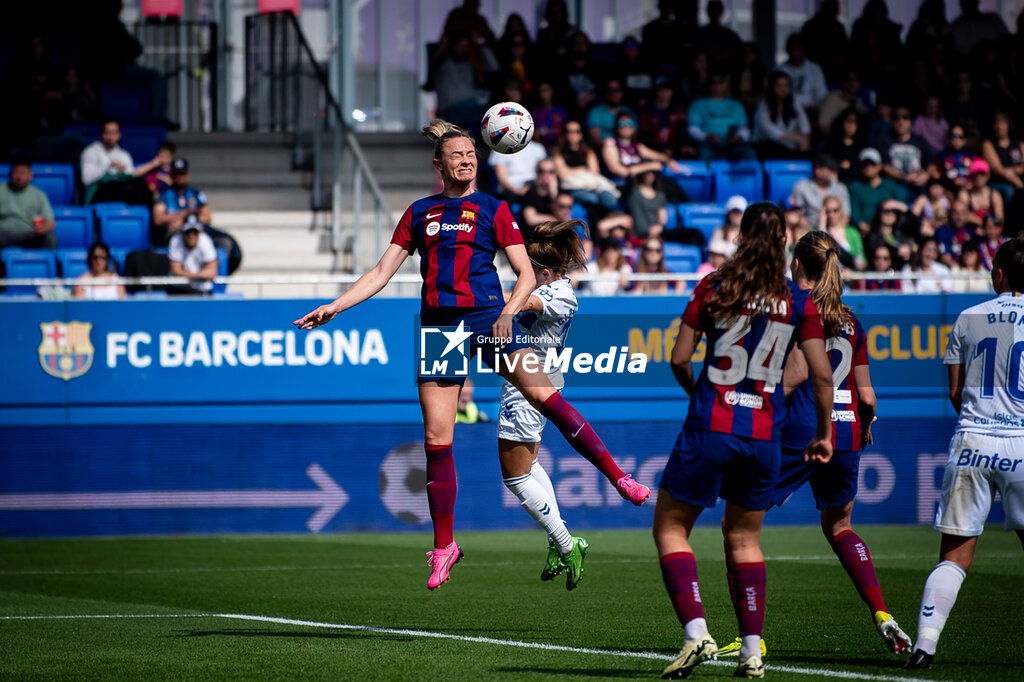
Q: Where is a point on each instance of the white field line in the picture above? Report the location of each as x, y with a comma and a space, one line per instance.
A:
652, 655
476, 564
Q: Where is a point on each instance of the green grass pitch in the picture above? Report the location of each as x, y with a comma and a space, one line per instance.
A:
355, 607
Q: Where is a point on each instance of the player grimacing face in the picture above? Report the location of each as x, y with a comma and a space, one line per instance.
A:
457, 164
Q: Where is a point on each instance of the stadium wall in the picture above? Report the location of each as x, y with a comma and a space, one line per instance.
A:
206, 416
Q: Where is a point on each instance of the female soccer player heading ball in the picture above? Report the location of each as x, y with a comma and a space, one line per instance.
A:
457, 233
729, 445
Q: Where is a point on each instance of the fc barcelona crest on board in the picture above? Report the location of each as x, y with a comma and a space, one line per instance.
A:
66, 351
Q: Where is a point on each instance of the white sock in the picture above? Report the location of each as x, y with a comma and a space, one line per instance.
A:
750, 645
937, 601
696, 628
542, 508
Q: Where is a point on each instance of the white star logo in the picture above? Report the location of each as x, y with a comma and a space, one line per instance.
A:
456, 338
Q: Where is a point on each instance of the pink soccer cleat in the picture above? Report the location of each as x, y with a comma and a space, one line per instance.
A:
441, 562
631, 490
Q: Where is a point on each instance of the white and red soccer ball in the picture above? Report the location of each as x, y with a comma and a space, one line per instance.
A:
507, 127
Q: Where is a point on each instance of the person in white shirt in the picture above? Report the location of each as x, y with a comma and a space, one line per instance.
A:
108, 172
809, 86
99, 282
192, 254
986, 454
515, 172
926, 262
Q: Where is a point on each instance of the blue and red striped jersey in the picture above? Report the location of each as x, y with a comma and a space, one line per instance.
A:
846, 352
457, 239
739, 390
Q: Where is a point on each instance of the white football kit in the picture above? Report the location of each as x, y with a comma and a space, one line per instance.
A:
987, 450
517, 420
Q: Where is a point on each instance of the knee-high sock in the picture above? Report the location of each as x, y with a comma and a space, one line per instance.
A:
750, 581
679, 571
856, 559
940, 591
541, 507
581, 435
441, 490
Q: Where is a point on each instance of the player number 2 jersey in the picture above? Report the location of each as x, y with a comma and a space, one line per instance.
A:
846, 351
988, 340
457, 239
739, 390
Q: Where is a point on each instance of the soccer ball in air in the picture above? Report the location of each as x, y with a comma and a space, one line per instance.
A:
507, 127
403, 483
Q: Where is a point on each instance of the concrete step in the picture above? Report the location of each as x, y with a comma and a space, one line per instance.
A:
256, 199
250, 179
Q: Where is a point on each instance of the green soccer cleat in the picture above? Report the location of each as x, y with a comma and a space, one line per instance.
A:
733, 649
573, 563
554, 566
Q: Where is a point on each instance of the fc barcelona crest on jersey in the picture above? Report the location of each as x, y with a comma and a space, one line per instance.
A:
66, 351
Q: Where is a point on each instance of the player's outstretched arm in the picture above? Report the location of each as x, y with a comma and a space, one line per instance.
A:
365, 287
682, 356
820, 449
867, 403
526, 282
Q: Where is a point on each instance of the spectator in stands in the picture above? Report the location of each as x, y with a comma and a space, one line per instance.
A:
929, 28
748, 78
781, 128
467, 19
663, 124
647, 205
26, 217
554, 36
826, 40
99, 282
881, 262
796, 226
625, 158
695, 81
719, 251
516, 65
192, 254
973, 27
108, 172
931, 125
990, 239
579, 172
159, 178
810, 194
974, 278
981, 199
871, 190
879, 123
960, 228
611, 272
835, 221
955, 161
459, 73
964, 107
580, 73
734, 208
549, 119
635, 73
538, 199
666, 40
875, 44
515, 172
808, 80
925, 262
78, 98
602, 116
932, 207
719, 124
888, 228
908, 158
719, 42
613, 224
837, 102
515, 28
652, 260
1004, 154
845, 143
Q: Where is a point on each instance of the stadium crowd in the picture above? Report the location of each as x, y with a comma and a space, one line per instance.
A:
915, 163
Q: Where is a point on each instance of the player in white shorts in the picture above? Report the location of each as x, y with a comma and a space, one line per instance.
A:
984, 358
555, 248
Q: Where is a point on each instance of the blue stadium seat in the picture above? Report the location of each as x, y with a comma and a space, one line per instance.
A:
782, 175
125, 228
125, 103
5, 172
743, 178
671, 217
689, 165
74, 228
87, 131
682, 257
118, 257
698, 184
57, 180
73, 262
222, 270
719, 164
141, 141
28, 263
578, 212
704, 217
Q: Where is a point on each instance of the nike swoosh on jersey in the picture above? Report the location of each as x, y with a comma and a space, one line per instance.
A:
431, 216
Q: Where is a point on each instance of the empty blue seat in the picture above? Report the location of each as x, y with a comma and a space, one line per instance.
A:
125, 228
73, 262
697, 183
118, 256
222, 270
141, 141
5, 172
703, 217
74, 228
671, 217
28, 263
780, 177
682, 257
87, 131
739, 178
719, 164
125, 103
57, 181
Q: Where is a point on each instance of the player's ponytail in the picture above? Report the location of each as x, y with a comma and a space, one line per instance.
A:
440, 131
557, 245
818, 254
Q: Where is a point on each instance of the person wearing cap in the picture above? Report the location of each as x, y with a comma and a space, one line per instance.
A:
908, 157
981, 199
719, 251
810, 194
177, 203
734, 208
871, 190
192, 254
